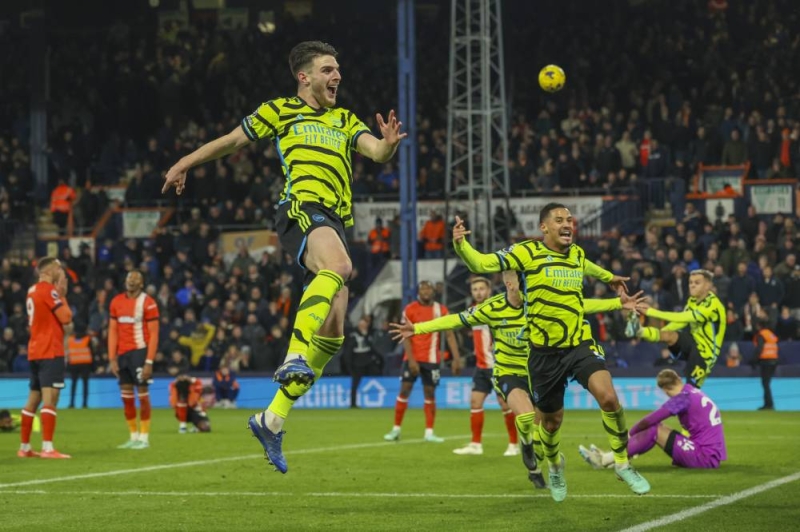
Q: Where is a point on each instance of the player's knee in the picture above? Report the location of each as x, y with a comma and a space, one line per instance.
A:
343, 267
608, 401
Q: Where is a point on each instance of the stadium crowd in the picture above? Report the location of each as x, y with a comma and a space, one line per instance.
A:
709, 89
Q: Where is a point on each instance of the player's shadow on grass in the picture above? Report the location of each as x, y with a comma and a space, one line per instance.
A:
731, 468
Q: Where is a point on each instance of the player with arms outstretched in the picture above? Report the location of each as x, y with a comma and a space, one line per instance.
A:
505, 317
701, 344
553, 296
703, 448
487, 349
314, 140
132, 347
50, 321
422, 358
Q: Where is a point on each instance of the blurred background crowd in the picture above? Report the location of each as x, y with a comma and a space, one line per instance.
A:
685, 85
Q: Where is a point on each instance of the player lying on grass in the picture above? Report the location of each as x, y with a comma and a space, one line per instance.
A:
184, 396
704, 447
504, 315
700, 345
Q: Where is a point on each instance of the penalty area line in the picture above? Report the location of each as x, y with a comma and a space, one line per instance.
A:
342, 494
722, 501
176, 465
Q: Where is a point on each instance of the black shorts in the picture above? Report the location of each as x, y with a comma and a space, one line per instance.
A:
131, 365
430, 374
550, 370
505, 384
482, 380
697, 367
295, 220
196, 416
48, 373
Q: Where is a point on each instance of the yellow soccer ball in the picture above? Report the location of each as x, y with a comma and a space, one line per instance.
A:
552, 78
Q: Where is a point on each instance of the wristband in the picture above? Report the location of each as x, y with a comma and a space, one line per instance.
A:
148, 362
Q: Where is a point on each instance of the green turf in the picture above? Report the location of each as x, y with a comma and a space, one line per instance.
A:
342, 476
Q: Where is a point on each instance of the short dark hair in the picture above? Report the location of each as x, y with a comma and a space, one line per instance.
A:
545, 212
304, 53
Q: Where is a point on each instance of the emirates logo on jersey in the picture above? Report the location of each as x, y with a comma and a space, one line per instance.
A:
129, 319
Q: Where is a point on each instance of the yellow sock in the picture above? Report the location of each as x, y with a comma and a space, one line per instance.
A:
550, 444
132, 425
320, 351
538, 451
144, 426
314, 308
617, 432
525, 427
651, 334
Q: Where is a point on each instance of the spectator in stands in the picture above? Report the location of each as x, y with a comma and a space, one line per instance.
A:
61, 200
178, 363
226, 387
734, 152
432, 236
733, 359
8, 350
657, 160
198, 341
770, 293
786, 328
379, 241
742, 285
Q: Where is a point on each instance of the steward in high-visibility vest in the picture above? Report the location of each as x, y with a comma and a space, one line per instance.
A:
79, 363
766, 356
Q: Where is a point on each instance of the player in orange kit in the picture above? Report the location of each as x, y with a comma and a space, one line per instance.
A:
50, 320
184, 396
132, 346
423, 358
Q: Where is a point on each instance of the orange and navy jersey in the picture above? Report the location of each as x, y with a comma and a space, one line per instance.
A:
424, 347
47, 312
195, 393
484, 350
229, 379
131, 315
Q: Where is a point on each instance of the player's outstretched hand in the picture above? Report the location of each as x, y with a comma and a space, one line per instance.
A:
643, 306
175, 177
391, 128
618, 283
631, 302
401, 331
459, 231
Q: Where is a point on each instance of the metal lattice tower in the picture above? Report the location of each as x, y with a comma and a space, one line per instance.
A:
477, 122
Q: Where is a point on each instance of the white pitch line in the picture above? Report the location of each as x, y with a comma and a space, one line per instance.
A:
141, 493
723, 501
161, 467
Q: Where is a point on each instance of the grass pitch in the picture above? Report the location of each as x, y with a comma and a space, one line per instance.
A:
342, 476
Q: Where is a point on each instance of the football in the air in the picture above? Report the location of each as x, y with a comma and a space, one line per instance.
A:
552, 78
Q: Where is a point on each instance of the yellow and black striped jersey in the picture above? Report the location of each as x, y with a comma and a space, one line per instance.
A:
553, 286
509, 327
706, 319
314, 147
507, 323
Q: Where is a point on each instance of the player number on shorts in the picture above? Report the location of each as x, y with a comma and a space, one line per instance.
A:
139, 374
713, 417
436, 375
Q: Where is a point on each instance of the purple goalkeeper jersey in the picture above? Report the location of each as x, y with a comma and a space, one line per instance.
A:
699, 415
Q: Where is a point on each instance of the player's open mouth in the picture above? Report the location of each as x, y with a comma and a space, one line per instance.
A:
332, 91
